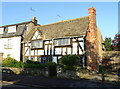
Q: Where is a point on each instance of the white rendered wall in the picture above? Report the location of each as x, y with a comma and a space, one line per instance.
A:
14, 52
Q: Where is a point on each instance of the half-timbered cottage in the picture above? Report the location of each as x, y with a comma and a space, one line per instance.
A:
78, 36
11, 37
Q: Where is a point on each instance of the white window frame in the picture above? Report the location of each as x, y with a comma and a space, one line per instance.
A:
1, 30
11, 29
37, 44
9, 44
62, 42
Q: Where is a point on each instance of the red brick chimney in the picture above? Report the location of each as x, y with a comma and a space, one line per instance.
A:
92, 24
91, 43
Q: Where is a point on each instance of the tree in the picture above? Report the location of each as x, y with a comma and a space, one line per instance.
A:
116, 43
107, 43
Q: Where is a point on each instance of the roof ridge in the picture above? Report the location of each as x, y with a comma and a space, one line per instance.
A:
16, 24
63, 21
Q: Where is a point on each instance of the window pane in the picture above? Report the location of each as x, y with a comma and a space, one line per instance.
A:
37, 44
61, 42
1, 30
8, 45
11, 29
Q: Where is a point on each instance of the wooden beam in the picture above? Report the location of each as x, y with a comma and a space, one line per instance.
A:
80, 47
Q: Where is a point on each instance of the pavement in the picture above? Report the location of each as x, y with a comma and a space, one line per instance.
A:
46, 83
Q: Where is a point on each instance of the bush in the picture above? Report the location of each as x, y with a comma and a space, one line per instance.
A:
9, 62
69, 67
51, 68
19, 65
33, 64
69, 62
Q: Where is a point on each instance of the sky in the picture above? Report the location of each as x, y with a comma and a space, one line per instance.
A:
51, 12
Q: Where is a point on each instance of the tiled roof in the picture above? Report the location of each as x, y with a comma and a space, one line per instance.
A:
67, 28
19, 30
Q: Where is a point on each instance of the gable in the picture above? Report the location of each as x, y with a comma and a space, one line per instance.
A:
36, 35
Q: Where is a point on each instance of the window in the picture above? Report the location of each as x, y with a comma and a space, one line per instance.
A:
1, 30
8, 45
11, 29
62, 42
37, 44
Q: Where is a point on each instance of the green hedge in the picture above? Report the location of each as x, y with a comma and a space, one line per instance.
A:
10, 62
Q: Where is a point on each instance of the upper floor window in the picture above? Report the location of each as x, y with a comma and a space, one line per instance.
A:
8, 45
37, 44
1, 30
11, 29
62, 42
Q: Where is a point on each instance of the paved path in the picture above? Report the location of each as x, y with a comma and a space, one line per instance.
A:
43, 82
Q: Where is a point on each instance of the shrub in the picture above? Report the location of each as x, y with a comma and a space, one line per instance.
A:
19, 65
69, 62
9, 62
51, 68
69, 67
34, 64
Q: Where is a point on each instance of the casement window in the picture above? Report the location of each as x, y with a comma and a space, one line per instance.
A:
37, 44
8, 45
62, 42
11, 29
1, 30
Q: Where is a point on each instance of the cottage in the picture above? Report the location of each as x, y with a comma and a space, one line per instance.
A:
78, 36
11, 37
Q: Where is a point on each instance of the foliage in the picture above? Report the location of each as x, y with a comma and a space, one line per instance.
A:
19, 64
33, 64
51, 68
69, 67
116, 43
107, 43
69, 62
9, 62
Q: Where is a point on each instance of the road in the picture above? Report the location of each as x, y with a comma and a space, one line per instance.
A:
34, 82
14, 86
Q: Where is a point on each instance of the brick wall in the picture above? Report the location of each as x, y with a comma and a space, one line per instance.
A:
93, 42
113, 57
